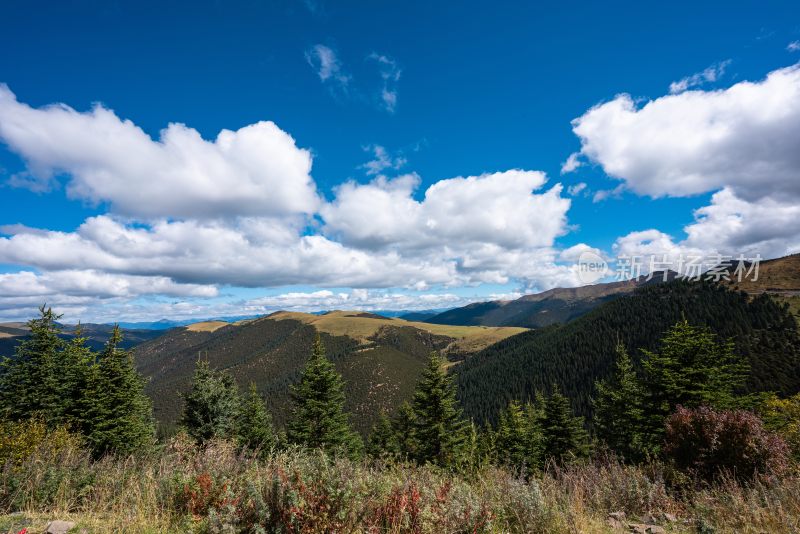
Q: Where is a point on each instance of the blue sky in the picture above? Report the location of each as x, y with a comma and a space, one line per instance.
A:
428, 92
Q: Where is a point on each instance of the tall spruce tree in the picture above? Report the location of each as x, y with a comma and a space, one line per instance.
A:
318, 417
254, 424
439, 429
619, 415
117, 415
211, 407
691, 368
45, 377
564, 437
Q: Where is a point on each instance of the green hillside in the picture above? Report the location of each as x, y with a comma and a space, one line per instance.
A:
574, 355
379, 358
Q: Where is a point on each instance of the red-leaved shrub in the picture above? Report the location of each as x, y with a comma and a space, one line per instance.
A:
733, 442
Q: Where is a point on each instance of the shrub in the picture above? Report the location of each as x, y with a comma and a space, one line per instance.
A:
782, 416
19, 440
732, 442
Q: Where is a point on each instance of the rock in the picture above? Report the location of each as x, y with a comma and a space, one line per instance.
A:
643, 528
649, 519
670, 518
616, 520
59, 527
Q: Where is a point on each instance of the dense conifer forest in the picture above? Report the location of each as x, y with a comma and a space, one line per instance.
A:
572, 356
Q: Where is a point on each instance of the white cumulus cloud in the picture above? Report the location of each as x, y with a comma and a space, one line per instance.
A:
746, 138
256, 170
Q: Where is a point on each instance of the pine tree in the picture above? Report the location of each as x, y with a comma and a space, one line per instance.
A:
619, 412
211, 406
318, 418
439, 428
254, 423
691, 369
117, 415
45, 376
563, 434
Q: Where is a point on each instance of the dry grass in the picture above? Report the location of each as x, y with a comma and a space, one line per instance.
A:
348, 323
778, 275
206, 326
183, 488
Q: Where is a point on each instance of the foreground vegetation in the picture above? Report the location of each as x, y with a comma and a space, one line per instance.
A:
216, 487
677, 442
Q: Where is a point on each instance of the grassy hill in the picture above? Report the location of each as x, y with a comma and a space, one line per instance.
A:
574, 355
380, 358
780, 276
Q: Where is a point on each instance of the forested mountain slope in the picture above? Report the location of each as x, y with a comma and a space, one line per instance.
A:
558, 305
574, 355
379, 358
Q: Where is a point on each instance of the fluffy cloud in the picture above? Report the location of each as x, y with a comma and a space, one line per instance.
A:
744, 138
256, 170
498, 208
188, 216
729, 226
794, 46
214, 253
740, 143
358, 299
75, 292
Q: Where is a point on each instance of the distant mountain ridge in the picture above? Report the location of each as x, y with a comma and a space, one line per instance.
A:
780, 276
97, 335
559, 305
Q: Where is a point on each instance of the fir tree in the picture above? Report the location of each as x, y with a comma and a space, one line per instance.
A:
691, 369
45, 376
318, 418
518, 440
211, 405
403, 431
439, 429
564, 437
255, 430
117, 415
618, 410
511, 437
382, 440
